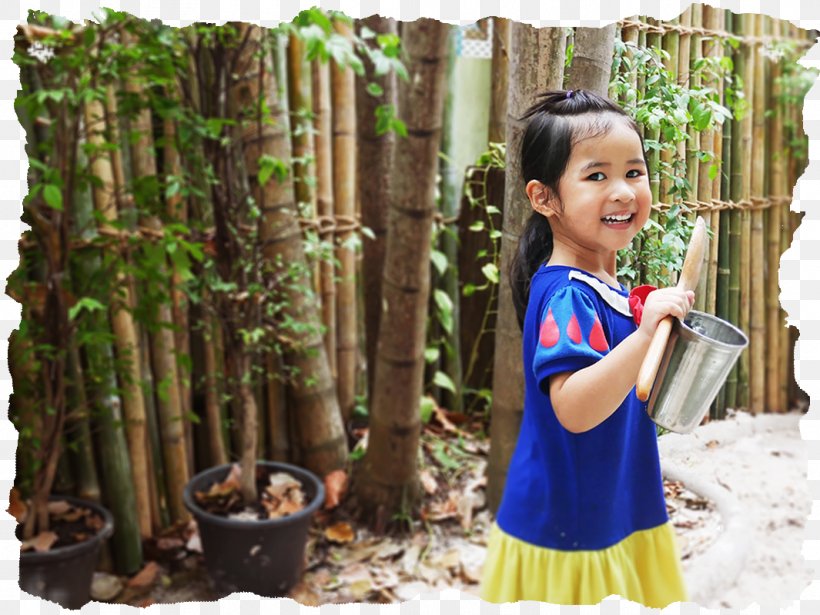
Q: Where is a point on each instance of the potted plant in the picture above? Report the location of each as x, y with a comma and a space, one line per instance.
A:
60, 536
253, 516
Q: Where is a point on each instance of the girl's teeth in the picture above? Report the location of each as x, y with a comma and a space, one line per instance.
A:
615, 219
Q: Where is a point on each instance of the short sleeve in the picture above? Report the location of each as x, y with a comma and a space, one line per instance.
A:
570, 335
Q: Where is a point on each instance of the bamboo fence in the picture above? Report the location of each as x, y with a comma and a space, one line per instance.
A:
746, 204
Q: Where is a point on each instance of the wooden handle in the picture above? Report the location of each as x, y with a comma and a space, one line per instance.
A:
688, 280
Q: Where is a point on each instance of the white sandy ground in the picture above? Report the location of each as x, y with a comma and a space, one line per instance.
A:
754, 470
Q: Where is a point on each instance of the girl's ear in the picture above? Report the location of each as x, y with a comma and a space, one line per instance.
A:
541, 198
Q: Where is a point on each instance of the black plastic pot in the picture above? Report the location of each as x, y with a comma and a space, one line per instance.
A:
266, 557
63, 575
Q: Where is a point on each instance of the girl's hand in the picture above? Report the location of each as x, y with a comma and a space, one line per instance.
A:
665, 302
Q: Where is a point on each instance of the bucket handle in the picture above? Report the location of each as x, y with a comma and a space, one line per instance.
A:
688, 281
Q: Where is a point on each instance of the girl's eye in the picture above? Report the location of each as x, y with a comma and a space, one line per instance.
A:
634, 173
596, 177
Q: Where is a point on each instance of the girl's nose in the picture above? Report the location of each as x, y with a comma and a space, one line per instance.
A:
621, 191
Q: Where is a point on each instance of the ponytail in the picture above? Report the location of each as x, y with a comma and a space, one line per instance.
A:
534, 249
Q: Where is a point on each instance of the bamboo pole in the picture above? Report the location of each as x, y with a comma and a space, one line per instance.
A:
777, 187
122, 322
747, 138
177, 209
323, 147
670, 43
736, 189
343, 88
78, 430
697, 173
782, 163
757, 287
117, 481
630, 35
162, 339
715, 20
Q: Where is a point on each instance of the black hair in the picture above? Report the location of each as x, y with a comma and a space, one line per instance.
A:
550, 134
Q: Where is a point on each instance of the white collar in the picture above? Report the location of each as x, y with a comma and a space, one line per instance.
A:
617, 302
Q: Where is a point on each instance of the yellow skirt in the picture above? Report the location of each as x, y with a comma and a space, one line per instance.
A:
644, 568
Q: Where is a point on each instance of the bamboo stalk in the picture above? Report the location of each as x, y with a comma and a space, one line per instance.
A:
757, 287
653, 40
697, 172
715, 19
78, 431
747, 131
670, 42
122, 322
343, 88
117, 480
323, 147
736, 189
177, 209
777, 187
162, 340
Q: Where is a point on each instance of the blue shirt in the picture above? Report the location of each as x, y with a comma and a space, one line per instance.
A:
585, 491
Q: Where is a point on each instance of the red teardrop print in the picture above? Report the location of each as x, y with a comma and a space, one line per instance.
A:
549, 331
597, 339
574, 330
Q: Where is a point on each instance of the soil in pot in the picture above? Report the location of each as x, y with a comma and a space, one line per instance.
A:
58, 565
260, 549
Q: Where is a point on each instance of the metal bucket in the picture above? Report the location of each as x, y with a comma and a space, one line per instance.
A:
699, 356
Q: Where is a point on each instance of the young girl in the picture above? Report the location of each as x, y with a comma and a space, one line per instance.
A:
583, 514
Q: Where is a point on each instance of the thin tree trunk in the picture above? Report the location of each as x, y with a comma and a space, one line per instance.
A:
123, 324
532, 69
500, 71
343, 94
162, 340
450, 358
387, 480
323, 146
375, 160
591, 59
310, 389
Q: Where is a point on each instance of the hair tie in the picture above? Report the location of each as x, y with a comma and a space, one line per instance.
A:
569, 94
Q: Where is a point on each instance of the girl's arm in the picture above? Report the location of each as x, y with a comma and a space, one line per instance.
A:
585, 398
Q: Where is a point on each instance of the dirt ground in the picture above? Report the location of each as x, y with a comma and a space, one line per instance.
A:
760, 462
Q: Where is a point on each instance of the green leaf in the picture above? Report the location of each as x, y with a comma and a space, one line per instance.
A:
86, 303
443, 301
490, 271
374, 89
426, 407
53, 197
431, 354
478, 225
443, 381
439, 261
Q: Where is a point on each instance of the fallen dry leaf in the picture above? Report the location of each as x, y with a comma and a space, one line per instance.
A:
281, 483
17, 507
146, 577
335, 488
428, 481
449, 559
170, 543
41, 543
341, 533
57, 508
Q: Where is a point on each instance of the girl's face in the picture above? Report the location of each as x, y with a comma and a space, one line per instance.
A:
604, 196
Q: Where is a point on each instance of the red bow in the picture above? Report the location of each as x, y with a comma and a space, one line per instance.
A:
637, 297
